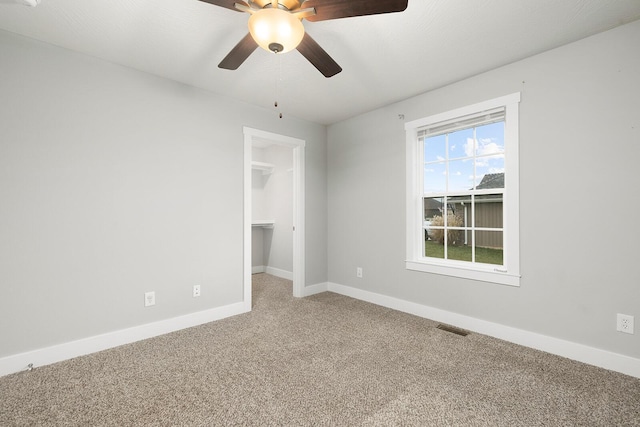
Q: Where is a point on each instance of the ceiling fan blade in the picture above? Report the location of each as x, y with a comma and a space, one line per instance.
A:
334, 9
227, 4
239, 53
318, 56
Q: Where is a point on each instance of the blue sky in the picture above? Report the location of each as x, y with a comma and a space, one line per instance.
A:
485, 153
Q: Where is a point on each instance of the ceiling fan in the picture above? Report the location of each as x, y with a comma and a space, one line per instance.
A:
275, 25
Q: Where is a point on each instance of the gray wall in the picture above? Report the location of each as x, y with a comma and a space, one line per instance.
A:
258, 210
114, 182
278, 198
257, 206
272, 199
579, 148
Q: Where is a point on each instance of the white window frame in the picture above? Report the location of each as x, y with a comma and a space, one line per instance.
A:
509, 273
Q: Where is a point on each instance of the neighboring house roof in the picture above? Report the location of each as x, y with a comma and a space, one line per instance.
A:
491, 180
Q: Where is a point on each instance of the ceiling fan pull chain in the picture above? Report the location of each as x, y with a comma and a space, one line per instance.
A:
275, 104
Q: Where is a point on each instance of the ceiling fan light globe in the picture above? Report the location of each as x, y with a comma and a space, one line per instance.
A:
270, 27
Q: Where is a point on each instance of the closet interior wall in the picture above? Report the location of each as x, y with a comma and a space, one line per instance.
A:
272, 203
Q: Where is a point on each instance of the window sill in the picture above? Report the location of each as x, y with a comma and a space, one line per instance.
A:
480, 275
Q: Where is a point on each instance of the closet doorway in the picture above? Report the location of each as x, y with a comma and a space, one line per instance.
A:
258, 141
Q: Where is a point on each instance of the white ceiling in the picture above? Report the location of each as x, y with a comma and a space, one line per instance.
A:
385, 58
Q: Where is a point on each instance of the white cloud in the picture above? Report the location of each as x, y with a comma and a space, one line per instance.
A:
484, 162
468, 147
487, 146
483, 147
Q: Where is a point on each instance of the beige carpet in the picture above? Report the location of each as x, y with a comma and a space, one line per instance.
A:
324, 360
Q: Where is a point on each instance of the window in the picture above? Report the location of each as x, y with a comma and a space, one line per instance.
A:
462, 192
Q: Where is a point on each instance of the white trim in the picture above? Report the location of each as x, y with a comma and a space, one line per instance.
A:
278, 272
511, 223
464, 111
298, 219
69, 350
316, 289
246, 222
283, 274
297, 145
582, 353
464, 273
413, 239
571, 350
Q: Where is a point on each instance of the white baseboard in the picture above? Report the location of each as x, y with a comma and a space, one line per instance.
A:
579, 352
582, 353
283, 274
315, 289
69, 350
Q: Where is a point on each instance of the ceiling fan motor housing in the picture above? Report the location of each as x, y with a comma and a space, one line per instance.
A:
276, 47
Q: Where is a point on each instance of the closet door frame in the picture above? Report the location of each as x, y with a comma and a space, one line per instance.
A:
251, 135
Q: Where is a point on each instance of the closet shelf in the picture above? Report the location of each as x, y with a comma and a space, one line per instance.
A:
264, 223
266, 168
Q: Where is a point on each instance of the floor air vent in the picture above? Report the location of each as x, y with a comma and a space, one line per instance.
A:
453, 330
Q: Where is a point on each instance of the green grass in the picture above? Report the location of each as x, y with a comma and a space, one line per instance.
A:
463, 253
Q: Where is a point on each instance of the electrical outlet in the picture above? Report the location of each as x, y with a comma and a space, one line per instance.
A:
149, 299
196, 291
359, 272
625, 323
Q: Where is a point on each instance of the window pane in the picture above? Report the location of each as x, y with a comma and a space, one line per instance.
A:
460, 216
460, 175
489, 247
490, 139
460, 206
435, 148
436, 223
456, 248
433, 249
490, 172
489, 211
435, 178
461, 143
432, 207
459, 252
